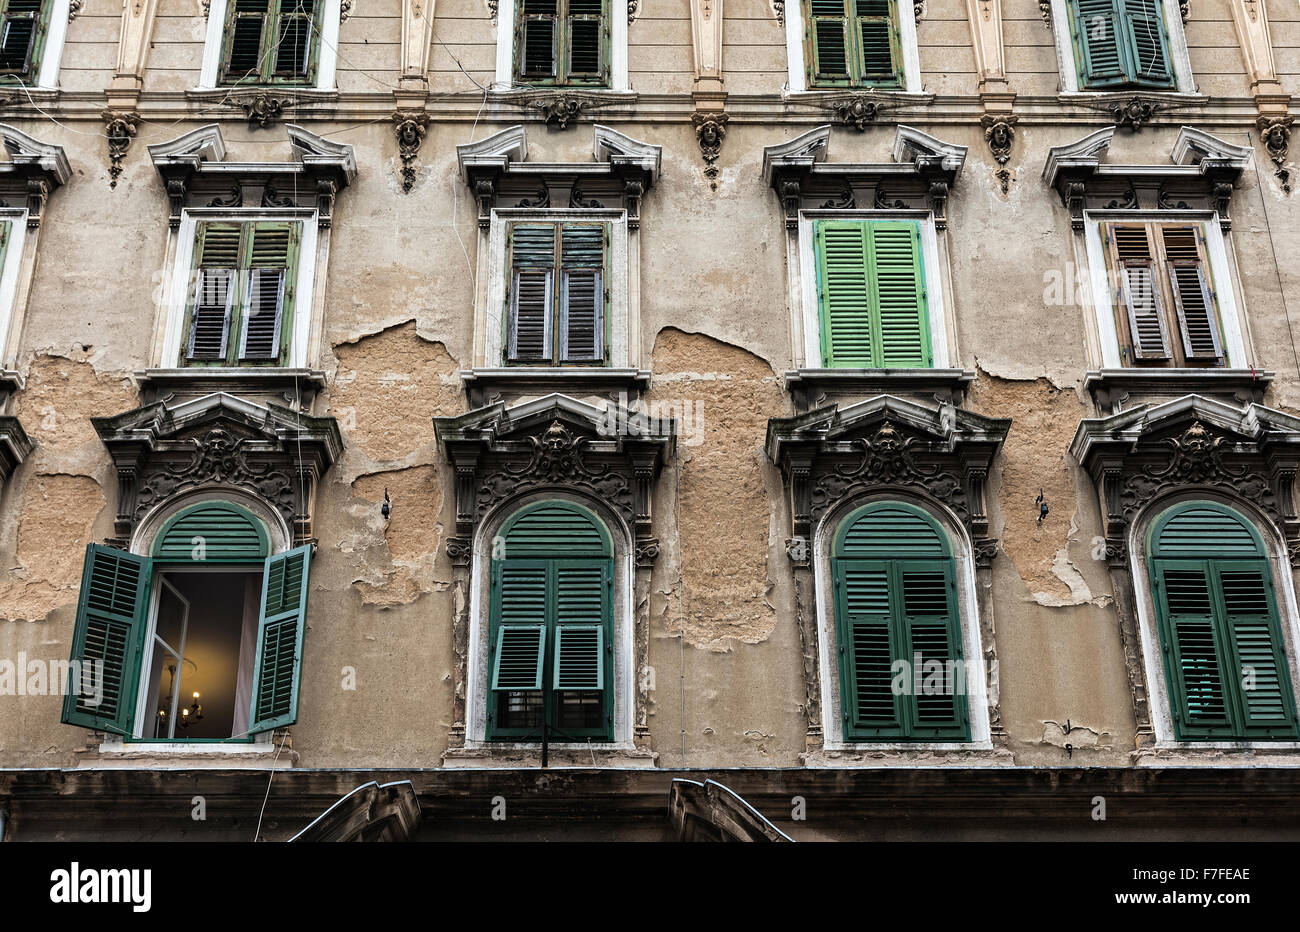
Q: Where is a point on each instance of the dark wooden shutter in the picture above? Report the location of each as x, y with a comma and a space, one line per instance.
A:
926, 593
294, 40
868, 648
898, 294
1266, 706
587, 30
270, 285
215, 287
881, 61
1139, 291
111, 620
278, 670
245, 33
844, 295
538, 39
582, 293
22, 27
1198, 317
1146, 48
829, 41
1095, 29
532, 292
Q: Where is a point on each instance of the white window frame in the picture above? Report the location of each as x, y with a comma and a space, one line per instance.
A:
618, 75
1158, 693
476, 690
327, 63
977, 688
1184, 79
495, 313
797, 79
178, 292
935, 276
11, 281
1102, 298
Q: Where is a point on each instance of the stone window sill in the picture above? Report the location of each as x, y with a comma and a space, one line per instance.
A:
1117, 389
156, 384
812, 388
486, 385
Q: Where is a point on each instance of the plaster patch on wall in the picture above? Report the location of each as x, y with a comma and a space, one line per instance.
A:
387, 389
54, 527
412, 533
1079, 736
1033, 459
725, 506
55, 407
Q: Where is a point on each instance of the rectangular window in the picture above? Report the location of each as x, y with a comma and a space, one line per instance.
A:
558, 296
871, 294
24, 25
1120, 43
240, 310
1166, 309
853, 43
562, 42
271, 42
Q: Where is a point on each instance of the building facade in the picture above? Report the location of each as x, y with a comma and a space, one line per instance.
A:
865, 402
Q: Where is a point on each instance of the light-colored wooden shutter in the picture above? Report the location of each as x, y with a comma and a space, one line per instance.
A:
1198, 317
582, 293
532, 292
217, 260
1139, 290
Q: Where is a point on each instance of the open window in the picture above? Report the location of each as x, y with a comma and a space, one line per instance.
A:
1220, 635
199, 641
551, 627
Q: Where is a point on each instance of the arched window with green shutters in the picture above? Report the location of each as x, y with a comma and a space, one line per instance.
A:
550, 632
902, 676
1220, 634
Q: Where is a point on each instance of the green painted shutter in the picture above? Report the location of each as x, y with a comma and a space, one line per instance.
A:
278, 669
579, 658
881, 60
1198, 317
1095, 31
270, 279
587, 36
247, 25
828, 43
537, 39
111, 620
898, 295
582, 293
1146, 46
1262, 687
926, 595
520, 653
24, 25
216, 262
532, 293
868, 648
844, 295
293, 38
215, 532
1194, 653
1139, 292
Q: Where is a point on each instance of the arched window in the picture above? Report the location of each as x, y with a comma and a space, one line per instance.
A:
551, 626
1218, 622
199, 641
900, 646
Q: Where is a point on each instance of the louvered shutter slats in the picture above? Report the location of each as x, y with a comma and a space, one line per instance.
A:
845, 299
1259, 660
278, 665
900, 295
538, 54
871, 650
20, 31
268, 282
1194, 304
1144, 31
931, 624
214, 291
586, 38
876, 31
582, 293
829, 26
293, 47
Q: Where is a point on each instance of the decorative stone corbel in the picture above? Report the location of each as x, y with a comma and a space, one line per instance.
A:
1000, 134
1275, 133
409, 127
120, 127
633, 8
345, 10
858, 110
710, 130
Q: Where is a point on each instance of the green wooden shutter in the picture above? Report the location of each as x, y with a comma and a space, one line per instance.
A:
1139, 291
868, 648
1198, 318
582, 293
1262, 686
1194, 654
844, 298
1145, 43
537, 39
248, 23
925, 593
278, 668
1095, 31
532, 293
271, 279
828, 42
520, 653
881, 61
24, 25
111, 620
228, 534
579, 658
587, 33
216, 262
294, 43
898, 295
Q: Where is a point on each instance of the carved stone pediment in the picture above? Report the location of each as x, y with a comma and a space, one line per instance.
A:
195, 170
1200, 176
33, 170
1191, 443
497, 170
919, 177
832, 455
556, 443
268, 451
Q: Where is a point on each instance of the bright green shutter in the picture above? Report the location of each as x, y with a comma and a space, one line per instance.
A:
898, 295
216, 532
520, 653
843, 295
1145, 44
278, 670
1094, 28
111, 620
